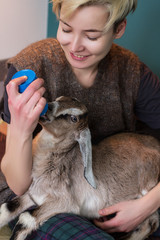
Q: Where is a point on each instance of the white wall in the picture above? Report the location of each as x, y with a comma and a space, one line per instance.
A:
21, 23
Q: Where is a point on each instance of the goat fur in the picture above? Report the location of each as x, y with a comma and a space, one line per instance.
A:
123, 167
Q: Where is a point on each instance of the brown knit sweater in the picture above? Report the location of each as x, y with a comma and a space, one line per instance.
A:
110, 100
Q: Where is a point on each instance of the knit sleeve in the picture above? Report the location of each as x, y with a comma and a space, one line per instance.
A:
6, 114
147, 108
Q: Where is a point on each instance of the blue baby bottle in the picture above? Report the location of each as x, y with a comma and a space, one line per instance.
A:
31, 76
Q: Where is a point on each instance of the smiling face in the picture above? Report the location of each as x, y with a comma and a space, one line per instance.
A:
82, 37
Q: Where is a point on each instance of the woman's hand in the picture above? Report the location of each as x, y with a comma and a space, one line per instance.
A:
25, 108
129, 214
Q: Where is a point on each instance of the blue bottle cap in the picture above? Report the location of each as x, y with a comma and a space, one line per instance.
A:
31, 76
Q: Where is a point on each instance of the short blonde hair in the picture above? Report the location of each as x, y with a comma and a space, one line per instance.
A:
118, 9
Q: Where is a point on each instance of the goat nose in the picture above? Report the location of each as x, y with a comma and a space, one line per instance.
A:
50, 106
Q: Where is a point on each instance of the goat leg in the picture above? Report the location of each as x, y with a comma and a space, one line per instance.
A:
31, 220
13, 208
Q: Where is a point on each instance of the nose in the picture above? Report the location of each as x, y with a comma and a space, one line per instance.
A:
77, 44
50, 106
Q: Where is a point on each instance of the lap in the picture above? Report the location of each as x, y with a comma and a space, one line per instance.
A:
68, 227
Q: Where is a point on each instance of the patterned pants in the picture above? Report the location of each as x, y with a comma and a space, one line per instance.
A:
67, 227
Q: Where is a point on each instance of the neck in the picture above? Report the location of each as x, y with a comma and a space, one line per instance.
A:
86, 77
57, 143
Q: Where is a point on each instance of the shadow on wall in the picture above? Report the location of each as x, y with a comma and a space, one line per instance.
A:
142, 34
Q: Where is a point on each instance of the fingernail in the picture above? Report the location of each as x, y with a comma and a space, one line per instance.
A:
101, 211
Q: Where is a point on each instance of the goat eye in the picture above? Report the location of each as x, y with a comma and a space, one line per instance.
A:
74, 119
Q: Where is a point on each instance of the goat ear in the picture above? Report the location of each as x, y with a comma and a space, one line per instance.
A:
84, 141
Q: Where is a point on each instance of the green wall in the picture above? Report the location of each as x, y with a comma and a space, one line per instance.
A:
142, 34
52, 22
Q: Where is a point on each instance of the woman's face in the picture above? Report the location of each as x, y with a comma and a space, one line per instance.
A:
82, 38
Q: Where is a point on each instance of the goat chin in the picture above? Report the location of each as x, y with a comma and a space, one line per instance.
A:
69, 175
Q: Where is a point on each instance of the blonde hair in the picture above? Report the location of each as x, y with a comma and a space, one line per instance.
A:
118, 9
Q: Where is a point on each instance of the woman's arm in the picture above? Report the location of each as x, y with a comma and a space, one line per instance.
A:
17, 162
25, 109
130, 214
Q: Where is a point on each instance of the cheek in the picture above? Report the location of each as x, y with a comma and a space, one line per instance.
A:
99, 48
59, 35
62, 37
103, 47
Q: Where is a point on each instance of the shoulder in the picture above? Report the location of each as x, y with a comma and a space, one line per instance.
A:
49, 45
122, 54
47, 49
45, 44
150, 83
147, 106
128, 64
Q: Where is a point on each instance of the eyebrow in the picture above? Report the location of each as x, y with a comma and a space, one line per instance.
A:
87, 30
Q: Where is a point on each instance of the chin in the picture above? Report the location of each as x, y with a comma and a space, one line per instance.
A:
79, 64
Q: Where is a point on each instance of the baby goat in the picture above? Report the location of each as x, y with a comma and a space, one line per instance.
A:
69, 175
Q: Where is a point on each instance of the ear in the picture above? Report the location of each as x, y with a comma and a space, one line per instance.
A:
120, 29
84, 141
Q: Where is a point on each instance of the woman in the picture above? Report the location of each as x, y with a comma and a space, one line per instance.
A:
84, 63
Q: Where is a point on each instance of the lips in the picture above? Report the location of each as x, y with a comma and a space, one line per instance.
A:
78, 57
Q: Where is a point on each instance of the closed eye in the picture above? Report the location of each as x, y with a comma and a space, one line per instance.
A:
92, 39
66, 31
93, 36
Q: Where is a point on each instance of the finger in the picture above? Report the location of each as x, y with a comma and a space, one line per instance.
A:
32, 88
109, 226
33, 101
30, 93
40, 106
19, 80
12, 86
108, 211
101, 224
37, 83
